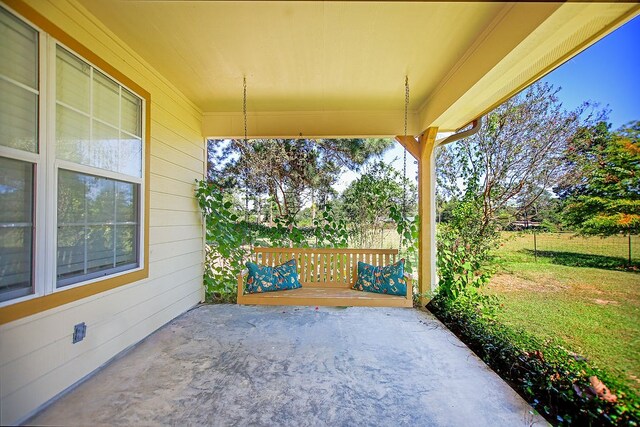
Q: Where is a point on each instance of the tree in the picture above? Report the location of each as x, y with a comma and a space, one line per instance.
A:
367, 200
517, 155
504, 169
602, 185
289, 171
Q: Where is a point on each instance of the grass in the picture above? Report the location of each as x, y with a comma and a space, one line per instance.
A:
563, 295
551, 245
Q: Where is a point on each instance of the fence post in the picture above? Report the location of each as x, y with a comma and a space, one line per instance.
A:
629, 248
535, 247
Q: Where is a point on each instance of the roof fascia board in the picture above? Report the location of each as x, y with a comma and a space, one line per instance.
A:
501, 37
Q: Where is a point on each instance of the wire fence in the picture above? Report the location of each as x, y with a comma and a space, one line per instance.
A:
613, 249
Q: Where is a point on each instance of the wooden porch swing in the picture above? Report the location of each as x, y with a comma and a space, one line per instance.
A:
327, 275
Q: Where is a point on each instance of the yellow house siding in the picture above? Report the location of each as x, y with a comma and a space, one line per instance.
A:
165, 251
37, 358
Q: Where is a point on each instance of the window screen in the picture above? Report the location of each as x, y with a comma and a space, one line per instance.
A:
97, 226
18, 131
16, 228
87, 181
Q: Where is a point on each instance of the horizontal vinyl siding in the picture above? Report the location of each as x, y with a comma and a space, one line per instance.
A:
168, 169
37, 358
163, 218
165, 251
172, 202
166, 185
66, 374
28, 368
163, 150
184, 145
107, 305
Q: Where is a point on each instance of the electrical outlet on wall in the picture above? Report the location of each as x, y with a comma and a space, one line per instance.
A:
79, 332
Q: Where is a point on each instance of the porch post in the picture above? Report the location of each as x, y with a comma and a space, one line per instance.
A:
427, 280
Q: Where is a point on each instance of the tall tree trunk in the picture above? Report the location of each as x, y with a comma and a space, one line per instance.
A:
285, 204
258, 210
274, 194
270, 213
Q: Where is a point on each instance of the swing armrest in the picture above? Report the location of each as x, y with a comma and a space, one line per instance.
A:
241, 282
409, 279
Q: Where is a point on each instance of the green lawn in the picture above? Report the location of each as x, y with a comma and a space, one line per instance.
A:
595, 312
564, 248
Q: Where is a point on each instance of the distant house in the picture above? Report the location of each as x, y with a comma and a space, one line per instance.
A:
523, 225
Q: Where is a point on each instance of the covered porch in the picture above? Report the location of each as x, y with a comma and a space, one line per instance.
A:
336, 69
327, 69
295, 366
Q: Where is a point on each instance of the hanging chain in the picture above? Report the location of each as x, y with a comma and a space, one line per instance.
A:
246, 168
404, 164
244, 106
404, 159
406, 103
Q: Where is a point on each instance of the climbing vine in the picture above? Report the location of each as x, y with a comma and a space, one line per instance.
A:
226, 247
329, 231
408, 232
229, 240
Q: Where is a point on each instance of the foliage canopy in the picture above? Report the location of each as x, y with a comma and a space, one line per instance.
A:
289, 171
602, 181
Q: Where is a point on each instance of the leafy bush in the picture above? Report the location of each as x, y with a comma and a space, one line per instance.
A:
265, 236
368, 202
464, 245
329, 231
562, 386
408, 230
460, 270
409, 233
225, 250
229, 240
286, 234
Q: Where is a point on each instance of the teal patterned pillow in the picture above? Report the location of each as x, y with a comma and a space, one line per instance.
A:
266, 279
383, 280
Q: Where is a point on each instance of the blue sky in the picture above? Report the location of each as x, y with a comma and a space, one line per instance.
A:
608, 72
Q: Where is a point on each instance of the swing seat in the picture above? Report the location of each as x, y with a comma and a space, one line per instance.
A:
327, 277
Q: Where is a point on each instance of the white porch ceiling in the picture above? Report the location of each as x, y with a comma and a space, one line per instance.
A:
337, 68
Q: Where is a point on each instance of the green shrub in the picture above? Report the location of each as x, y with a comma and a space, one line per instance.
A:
229, 240
226, 248
460, 269
553, 380
329, 231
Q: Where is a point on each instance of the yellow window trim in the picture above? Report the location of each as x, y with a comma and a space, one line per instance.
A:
56, 299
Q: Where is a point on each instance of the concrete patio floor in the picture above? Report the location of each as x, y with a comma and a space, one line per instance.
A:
295, 366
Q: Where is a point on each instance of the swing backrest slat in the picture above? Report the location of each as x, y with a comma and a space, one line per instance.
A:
325, 267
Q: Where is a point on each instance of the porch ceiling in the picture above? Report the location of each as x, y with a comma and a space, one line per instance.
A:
337, 68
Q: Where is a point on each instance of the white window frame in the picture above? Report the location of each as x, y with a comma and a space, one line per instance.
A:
39, 171
47, 166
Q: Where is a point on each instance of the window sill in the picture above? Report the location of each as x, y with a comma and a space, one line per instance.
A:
34, 304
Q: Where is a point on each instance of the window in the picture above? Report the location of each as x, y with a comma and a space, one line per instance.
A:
19, 87
99, 127
97, 227
16, 225
71, 167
